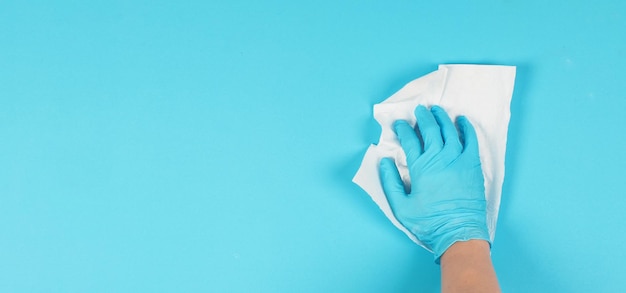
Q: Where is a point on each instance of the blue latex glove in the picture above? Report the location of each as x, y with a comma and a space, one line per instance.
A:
446, 202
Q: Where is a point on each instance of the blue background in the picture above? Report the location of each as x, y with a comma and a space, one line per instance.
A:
194, 146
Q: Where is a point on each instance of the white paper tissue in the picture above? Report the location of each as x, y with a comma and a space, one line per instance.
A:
480, 92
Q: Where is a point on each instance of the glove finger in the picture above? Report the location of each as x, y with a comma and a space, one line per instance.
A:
448, 130
470, 142
392, 183
431, 133
408, 140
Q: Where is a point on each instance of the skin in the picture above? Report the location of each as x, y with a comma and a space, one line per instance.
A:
466, 267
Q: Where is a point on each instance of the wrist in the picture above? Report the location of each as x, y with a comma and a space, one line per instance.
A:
466, 267
460, 235
472, 247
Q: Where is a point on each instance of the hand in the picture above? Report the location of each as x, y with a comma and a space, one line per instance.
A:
446, 201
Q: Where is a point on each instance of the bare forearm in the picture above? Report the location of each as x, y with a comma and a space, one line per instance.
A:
466, 267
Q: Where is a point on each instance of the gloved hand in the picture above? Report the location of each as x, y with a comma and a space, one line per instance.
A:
446, 202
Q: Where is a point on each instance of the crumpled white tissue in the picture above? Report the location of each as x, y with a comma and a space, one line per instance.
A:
480, 92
